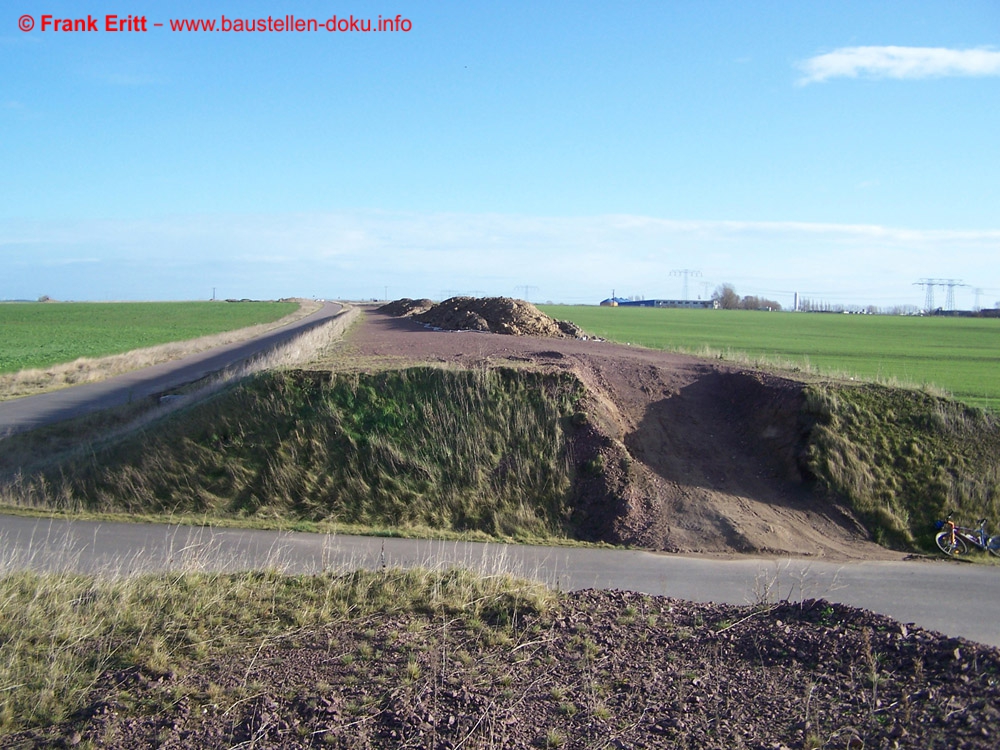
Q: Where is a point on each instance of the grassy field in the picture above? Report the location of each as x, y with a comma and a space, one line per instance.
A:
40, 335
958, 355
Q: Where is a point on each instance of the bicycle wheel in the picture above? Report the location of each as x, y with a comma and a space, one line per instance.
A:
993, 545
958, 549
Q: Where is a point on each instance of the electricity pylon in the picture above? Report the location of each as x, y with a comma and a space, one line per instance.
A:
685, 272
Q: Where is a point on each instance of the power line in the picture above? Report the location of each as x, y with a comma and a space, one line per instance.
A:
685, 272
528, 288
948, 284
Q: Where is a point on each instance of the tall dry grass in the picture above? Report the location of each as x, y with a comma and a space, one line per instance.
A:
66, 638
424, 448
904, 458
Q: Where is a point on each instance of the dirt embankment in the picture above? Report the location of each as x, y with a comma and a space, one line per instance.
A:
675, 453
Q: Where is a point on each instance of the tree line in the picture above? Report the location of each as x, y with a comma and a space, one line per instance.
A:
728, 299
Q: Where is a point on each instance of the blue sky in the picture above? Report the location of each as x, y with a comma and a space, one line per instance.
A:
844, 150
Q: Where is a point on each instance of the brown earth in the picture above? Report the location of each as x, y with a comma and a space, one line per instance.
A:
698, 456
512, 317
599, 670
401, 308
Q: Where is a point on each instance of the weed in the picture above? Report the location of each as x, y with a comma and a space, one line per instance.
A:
568, 708
554, 738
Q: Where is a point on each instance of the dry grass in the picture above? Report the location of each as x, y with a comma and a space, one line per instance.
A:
85, 370
425, 448
26, 453
904, 458
62, 632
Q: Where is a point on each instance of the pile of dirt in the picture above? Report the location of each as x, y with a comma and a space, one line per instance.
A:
602, 669
513, 317
405, 307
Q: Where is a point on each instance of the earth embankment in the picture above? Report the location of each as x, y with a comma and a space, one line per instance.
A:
677, 454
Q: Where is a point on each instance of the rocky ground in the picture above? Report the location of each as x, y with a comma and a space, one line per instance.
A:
599, 670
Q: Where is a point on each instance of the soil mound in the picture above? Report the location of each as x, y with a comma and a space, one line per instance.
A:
512, 317
404, 307
669, 452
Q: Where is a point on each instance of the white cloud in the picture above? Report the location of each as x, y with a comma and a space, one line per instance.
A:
356, 254
900, 62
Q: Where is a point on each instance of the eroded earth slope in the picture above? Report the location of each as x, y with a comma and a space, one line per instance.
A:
698, 456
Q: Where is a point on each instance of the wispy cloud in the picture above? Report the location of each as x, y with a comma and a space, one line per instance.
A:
899, 62
355, 254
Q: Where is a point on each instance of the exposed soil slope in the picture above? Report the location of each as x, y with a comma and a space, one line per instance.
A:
689, 455
796, 675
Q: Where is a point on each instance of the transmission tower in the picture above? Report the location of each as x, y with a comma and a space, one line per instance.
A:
928, 285
950, 299
685, 272
528, 289
949, 284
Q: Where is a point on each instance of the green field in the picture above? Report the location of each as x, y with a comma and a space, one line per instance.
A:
958, 355
39, 335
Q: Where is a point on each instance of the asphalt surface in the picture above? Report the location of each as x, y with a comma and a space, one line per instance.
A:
46, 408
958, 599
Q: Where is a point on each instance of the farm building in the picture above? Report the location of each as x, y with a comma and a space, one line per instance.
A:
705, 304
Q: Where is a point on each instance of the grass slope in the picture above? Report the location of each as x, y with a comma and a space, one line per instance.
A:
40, 335
423, 448
479, 453
959, 355
905, 458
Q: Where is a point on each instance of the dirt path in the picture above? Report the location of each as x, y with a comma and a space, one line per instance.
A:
714, 448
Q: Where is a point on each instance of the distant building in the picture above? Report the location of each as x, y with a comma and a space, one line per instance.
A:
697, 304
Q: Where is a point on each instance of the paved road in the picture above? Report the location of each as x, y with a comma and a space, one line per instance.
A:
46, 408
953, 598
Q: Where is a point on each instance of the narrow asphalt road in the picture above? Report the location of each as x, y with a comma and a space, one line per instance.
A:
953, 598
46, 408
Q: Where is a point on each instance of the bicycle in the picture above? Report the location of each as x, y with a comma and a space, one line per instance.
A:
955, 541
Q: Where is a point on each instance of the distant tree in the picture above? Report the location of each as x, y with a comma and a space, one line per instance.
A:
759, 303
727, 297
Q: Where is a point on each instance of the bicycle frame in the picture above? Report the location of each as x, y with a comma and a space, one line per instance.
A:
954, 540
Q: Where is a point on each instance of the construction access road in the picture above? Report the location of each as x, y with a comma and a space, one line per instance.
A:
957, 599
55, 406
